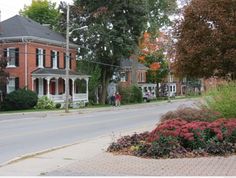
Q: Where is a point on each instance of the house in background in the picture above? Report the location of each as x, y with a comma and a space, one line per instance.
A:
36, 60
141, 71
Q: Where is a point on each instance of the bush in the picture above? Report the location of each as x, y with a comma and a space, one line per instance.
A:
132, 94
163, 146
127, 141
179, 138
20, 99
136, 94
222, 99
45, 103
191, 114
196, 134
58, 105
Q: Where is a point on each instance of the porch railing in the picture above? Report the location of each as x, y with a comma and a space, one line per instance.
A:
76, 97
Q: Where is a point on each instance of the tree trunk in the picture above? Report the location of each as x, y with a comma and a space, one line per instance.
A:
105, 81
157, 90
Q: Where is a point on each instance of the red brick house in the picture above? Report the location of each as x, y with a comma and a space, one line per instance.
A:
126, 77
36, 60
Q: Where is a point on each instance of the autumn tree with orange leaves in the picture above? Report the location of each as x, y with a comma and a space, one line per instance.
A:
151, 55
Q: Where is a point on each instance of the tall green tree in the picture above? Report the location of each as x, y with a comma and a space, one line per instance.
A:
95, 73
42, 11
114, 29
207, 39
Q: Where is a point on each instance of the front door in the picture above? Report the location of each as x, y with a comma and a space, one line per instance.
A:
53, 87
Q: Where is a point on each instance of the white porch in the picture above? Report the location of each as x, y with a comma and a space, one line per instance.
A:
53, 86
149, 88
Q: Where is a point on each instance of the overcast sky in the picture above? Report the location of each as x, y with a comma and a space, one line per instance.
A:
10, 8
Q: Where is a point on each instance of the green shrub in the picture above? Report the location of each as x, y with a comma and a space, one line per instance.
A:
132, 94
58, 105
163, 146
222, 99
45, 103
136, 94
20, 99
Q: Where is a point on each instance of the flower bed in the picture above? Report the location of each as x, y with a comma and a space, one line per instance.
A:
180, 138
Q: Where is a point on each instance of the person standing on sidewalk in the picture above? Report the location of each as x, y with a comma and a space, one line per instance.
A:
113, 98
118, 99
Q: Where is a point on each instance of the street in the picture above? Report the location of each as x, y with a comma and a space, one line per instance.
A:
23, 136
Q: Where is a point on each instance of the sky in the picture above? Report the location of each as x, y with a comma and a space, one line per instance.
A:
10, 8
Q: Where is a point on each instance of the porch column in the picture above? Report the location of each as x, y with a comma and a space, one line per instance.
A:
87, 88
48, 83
73, 89
154, 90
57, 85
33, 83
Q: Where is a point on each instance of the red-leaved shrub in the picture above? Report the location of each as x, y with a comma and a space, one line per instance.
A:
195, 134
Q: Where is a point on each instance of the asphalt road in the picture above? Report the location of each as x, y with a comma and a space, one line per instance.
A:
39, 131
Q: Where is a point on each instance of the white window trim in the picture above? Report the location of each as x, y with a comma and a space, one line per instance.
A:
40, 58
141, 76
8, 55
8, 87
54, 61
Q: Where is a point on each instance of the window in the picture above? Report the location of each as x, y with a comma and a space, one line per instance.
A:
54, 59
40, 57
174, 88
123, 77
12, 55
13, 84
65, 61
141, 76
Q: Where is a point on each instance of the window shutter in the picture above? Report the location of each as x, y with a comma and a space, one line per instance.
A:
16, 83
70, 60
64, 60
58, 60
37, 57
37, 86
44, 58
52, 59
5, 53
17, 56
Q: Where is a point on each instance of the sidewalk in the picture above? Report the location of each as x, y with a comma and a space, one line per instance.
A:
88, 158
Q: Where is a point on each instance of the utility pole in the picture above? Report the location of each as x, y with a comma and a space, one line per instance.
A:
67, 60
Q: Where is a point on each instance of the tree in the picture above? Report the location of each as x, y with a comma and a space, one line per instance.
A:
95, 73
151, 55
114, 28
206, 36
42, 11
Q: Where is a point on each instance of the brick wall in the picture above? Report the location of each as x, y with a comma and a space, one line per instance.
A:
27, 51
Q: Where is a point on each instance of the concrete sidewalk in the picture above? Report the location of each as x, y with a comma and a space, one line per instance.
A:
90, 159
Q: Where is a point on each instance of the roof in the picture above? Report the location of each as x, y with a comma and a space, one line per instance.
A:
127, 63
19, 26
54, 72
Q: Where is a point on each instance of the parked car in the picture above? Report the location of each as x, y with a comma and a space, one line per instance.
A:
147, 97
